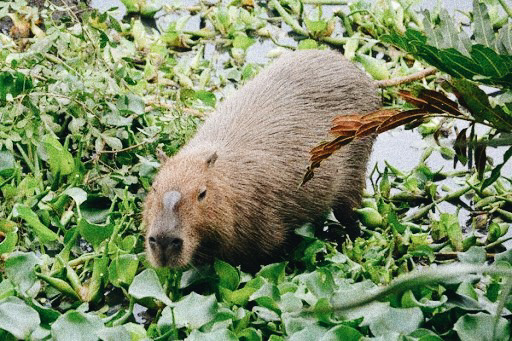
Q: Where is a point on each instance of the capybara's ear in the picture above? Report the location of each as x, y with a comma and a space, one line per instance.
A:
211, 160
160, 155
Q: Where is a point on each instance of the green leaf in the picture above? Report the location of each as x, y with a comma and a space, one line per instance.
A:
397, 320
44, 234
7, 164
147, 284
77, 194
14, 83
218, 334
242, 41
273, 272
18, 318
475, 255
480, 327
491, 63
311, 332
496, 171
342, 332
78, 326
19, 268
450, 223
229, 277
208, 98
114, 334
60, 160
482, 25
505, 40
195, 310
94, 233
268, 297
122, 270
477, 102
132, 103
375, 67
9, 236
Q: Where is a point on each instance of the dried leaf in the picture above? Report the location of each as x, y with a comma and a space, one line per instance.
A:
401, 118
460, 148
480, 159
439, 101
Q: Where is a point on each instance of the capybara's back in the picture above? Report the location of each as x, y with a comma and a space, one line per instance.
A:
233, 191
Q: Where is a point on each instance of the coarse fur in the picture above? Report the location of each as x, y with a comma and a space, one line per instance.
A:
248, 158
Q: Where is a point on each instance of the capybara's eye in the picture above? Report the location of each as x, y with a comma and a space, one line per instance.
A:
202, 194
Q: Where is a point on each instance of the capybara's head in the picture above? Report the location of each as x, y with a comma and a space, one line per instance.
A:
188, 214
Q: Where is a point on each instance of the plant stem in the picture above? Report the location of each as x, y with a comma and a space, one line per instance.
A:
507, 9
497, 242
26, 159
450, 196
418, 278
406, 79
288, 19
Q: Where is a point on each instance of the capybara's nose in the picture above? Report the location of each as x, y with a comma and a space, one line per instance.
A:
166, 243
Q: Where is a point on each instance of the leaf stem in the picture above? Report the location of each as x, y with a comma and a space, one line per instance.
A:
507, 9
288, 19
419, 278
26, 158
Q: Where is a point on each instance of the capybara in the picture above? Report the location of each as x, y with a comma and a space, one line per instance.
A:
232, 191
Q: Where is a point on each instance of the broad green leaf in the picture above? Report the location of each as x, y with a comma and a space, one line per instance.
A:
342, 332
195, 310
6, 289
399, 320
267, 296
147, 284
491, 63
122, 270
96, 209
7, 163
482, 25
78, 194
311, 332
504, 40
8, 236
131, 102
60, 160
114, 334
94, 233
273, 272
479, 327
19, 268
229, 277
44, 233
218, 334
478, 104
475, 255
450, 223
77, 326
18, 318
242, 41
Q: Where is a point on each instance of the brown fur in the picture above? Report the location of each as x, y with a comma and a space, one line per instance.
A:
262, 136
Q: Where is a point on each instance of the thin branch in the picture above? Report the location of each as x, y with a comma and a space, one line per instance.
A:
406, 79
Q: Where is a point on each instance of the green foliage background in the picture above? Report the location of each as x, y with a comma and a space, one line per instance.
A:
87, 99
